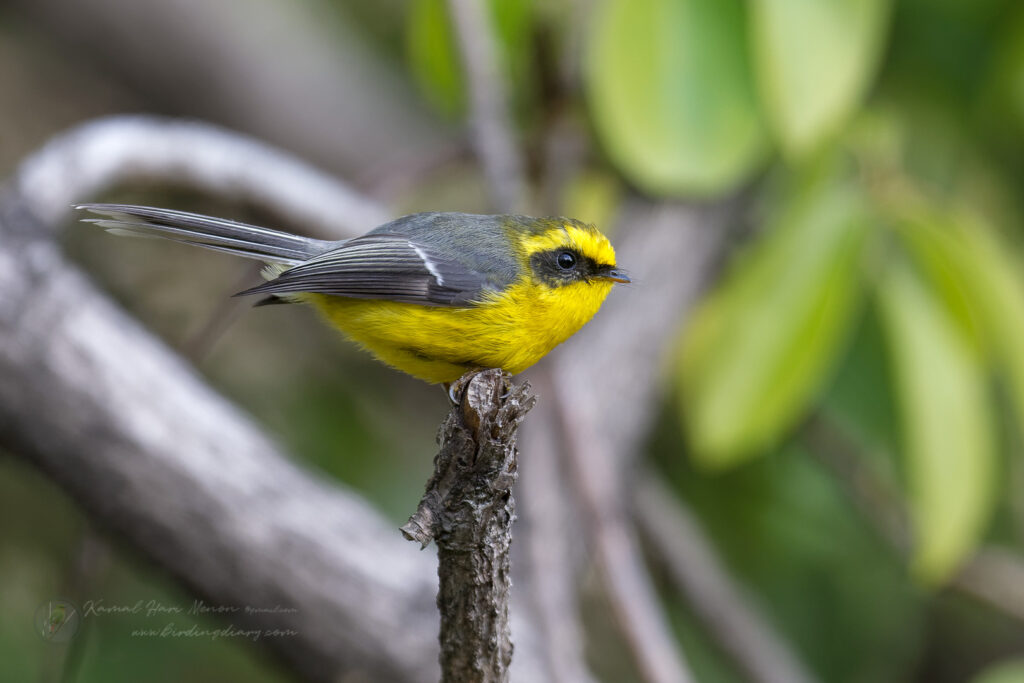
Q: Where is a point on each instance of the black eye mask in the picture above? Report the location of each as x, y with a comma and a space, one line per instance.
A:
563, 266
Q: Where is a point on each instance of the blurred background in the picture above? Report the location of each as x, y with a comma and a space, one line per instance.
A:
842, 410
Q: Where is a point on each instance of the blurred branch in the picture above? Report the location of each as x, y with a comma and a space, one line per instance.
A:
490, 125
705, 583
617, 552
878, 501
148, 450
293, 73
100, 154
468, 511
103, 153
604, 415
552, 550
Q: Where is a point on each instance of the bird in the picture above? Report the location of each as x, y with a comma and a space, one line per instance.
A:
434, 295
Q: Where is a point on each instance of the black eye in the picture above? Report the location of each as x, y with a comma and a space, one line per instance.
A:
566, 260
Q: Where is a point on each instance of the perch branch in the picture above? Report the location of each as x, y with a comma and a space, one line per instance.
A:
468, 511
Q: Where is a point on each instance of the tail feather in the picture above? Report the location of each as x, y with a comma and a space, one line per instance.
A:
240, 239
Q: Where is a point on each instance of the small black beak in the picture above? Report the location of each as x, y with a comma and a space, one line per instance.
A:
617, 275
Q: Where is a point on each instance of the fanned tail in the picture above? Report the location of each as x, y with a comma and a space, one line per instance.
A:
241, 239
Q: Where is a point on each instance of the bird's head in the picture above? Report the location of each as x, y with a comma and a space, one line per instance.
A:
563, 251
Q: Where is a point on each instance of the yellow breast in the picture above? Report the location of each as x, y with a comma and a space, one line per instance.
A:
510, 330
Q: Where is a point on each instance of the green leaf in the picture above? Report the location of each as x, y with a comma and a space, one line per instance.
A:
944, 407
938, 249
671, 93
760, 347
981, 286
814, 60
997, 288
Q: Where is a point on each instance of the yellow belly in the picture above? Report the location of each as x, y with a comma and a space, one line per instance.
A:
511, 330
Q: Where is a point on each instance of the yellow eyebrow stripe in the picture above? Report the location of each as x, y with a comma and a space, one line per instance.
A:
586, 240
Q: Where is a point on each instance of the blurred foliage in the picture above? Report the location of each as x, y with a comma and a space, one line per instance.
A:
941, 386
883, 288
671, 93
761, 344
766, 342
813, 62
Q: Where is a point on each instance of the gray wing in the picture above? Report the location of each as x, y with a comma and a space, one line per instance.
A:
381, 266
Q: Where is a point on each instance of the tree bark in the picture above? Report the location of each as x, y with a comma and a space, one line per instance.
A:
468, 511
